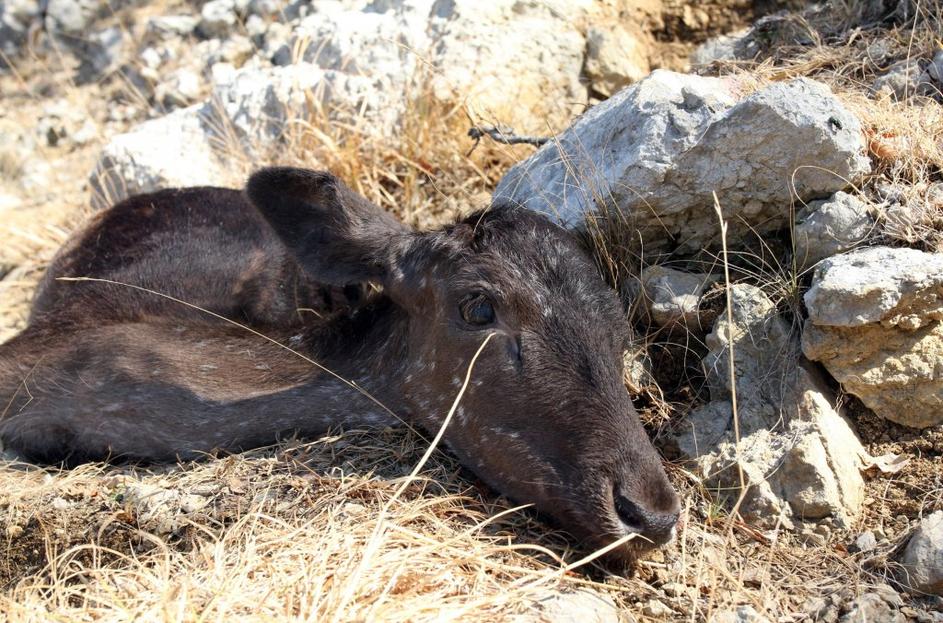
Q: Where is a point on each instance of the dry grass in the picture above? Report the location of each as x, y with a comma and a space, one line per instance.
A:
317, 531
299, 533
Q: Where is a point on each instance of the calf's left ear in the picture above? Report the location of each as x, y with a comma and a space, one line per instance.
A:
338, 236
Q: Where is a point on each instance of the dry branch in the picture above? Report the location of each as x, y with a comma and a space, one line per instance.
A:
503, 135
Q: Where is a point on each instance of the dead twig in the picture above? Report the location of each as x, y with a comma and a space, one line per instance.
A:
503, 135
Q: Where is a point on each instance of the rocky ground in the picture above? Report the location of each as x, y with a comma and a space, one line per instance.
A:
762, 181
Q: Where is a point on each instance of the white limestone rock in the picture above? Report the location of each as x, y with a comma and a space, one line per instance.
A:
174, 150
616, 56
831, 226
658, 150
799, 456
922, 559
875, 324
673, 298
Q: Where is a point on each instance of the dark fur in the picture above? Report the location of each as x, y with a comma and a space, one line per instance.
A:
107, 372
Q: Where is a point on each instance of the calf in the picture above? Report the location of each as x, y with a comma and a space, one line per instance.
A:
385, 320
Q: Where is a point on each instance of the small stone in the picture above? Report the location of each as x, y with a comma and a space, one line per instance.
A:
14, 530
99, 53
70, 17
150, 58
931, 80
812, 539
675, 589
832, 226
579, 606
256, 29
182, 88
16, 16
815, 607
655, 608
222, 73
166, 26
673, 298
265, 8
823, 528
218, 19
935, 69
236, 50
277, 38
353, 509
740, 614
888, 594
900, 80
865, 542
738, 45
870, 608
922, 559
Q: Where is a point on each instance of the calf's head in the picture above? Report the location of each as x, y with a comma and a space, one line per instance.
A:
546, 418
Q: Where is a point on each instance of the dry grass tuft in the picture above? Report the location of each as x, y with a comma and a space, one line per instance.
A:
271, 535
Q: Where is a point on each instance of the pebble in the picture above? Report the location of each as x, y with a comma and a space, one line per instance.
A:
655, 608
675, 589
865, 542
812, 539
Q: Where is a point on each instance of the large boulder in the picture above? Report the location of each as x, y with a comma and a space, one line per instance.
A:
875, 324
799, 457
355, 61
658, 150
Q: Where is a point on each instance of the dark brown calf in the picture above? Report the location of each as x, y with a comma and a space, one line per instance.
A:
109, 372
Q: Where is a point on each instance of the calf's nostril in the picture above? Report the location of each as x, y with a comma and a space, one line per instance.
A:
654, 526
630, 513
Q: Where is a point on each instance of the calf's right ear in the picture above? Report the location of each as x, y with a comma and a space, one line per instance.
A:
338, 236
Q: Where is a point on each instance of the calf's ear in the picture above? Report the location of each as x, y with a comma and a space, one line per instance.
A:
338, 236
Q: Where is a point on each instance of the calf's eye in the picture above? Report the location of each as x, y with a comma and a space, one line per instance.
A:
477, 310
